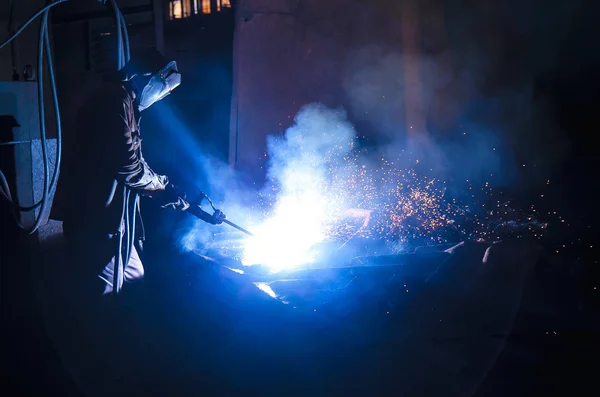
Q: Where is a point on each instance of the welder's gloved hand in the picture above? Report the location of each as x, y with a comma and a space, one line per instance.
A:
217, 218
162, 182
170, 198
148, 184
179, 205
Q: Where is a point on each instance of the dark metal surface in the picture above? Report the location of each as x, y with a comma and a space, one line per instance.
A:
421, 326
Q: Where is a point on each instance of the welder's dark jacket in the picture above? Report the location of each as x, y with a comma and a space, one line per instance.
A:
108, 162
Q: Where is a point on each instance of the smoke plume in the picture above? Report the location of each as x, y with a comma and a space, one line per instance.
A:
297, 190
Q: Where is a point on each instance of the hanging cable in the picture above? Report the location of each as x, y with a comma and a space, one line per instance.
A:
54, 92
31, 19
13, 45
125, 38
44, 46
120, 50
118, 263
55, 174
49, 186
4, 187
42, 113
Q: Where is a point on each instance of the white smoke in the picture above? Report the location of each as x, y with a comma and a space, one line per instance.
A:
297, 168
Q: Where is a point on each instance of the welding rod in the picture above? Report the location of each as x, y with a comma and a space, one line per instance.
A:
197, 211
241, 229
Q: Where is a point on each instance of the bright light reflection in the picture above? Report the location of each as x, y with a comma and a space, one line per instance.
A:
264, 287
288, 238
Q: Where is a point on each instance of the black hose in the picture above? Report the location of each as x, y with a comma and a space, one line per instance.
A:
118, 263
31, 19
42, 113
121, 55
125, 38
13, 47
128, 228
43, 44
50, 64
132, 234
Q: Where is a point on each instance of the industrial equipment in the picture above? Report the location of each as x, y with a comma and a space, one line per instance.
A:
37, 160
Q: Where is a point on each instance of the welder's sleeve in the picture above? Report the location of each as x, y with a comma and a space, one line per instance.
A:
133, 169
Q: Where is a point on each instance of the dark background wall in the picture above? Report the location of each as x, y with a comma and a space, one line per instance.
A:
517, 73
194, 120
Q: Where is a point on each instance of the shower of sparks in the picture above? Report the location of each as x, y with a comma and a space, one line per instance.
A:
322, 196
405, 206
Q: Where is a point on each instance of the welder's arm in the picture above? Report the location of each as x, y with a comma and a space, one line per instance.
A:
133, 169
147, 183
136, 172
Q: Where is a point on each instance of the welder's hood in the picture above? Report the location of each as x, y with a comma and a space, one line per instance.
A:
151, 76
151, 88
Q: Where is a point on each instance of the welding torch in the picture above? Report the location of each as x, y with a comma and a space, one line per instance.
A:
216, 218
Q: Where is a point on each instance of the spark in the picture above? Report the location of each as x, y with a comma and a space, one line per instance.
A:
402, 204
346, 192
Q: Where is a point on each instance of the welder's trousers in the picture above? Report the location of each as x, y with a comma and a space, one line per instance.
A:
133, 270
95, 257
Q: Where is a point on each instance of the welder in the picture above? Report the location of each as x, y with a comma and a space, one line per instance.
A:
108, 175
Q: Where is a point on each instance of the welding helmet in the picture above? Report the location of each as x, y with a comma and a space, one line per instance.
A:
148, 85
159, 86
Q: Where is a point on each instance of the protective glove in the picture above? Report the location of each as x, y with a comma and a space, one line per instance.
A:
217, 217
169, 197
148, 184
